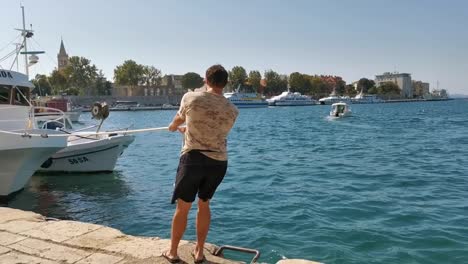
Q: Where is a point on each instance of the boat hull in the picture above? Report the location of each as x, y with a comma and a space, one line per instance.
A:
251, 105
89, 155
345, 114
333, 101
294, 103
21, 156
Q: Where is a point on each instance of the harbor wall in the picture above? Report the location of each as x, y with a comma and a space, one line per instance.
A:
27, 237
142, 100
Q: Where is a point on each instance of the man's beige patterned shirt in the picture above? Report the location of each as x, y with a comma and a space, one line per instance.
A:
209, 118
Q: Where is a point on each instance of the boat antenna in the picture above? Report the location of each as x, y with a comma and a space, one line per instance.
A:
25, 44
27, 33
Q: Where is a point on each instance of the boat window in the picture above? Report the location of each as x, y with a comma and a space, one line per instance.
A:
19, 99
5, 94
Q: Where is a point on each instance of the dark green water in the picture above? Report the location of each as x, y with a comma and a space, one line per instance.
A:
388, 185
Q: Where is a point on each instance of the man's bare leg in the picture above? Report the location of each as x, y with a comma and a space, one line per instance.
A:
203, 225
179, 223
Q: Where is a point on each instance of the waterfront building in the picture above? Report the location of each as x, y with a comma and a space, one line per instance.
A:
173, 84
440, 94
403, 80
169, 85
420, 89
62, 57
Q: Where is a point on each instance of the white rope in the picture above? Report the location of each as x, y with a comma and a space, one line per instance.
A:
134, 131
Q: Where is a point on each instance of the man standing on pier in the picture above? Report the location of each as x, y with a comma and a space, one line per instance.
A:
209, 117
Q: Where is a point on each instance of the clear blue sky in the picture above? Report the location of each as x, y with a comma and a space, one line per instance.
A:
353, 39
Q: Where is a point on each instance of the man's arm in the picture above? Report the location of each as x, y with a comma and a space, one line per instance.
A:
176, 122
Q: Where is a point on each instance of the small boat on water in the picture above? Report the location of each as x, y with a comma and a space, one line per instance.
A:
246, 100
124, 105
21, 153
291, 99
340, 109
362, 98
333, 98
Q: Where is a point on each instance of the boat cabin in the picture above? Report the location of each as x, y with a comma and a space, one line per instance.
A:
13, 86
340, 109
14, 100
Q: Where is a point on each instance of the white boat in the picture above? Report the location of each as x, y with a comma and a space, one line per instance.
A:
22, 151
124, 106
291, 99
333, 98
169, 107
88, 153
362, 98
340, 109
246, 100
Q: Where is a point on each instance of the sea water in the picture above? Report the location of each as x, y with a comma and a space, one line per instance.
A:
387, 185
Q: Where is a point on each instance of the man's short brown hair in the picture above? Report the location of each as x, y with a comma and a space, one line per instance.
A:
216, 76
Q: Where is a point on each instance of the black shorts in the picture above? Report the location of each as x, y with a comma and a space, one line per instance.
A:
197, 173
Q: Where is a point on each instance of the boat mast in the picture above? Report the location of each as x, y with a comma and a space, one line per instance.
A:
24, 43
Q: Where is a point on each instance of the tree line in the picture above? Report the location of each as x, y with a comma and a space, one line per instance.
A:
81, 77
317, 86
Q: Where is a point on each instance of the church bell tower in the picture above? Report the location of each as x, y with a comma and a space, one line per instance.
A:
62, 57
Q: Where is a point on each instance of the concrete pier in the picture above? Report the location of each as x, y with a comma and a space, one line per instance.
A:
27, 237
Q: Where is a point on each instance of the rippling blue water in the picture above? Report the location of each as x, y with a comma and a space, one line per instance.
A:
388, 185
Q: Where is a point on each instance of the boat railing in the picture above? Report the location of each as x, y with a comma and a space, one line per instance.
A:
42, 111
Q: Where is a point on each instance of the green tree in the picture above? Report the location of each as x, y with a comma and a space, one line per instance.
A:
58, 82
237, 77
192, 80
299, 82
340, 87
81, 74
373, 90
129, 73
365, 84
254, 80
389, 88
151, 76
318, 88
275, 84
349, 90
101, 85
41, 85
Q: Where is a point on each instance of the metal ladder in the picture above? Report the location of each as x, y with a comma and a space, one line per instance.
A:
220, 250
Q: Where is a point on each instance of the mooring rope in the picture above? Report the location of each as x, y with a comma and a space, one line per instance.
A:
133, 131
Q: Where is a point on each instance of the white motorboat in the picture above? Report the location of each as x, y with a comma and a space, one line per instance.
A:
340, 109
87, 151
291, 99
169, 107
333, 98
362, 98
246, 100
22, 149
125, 106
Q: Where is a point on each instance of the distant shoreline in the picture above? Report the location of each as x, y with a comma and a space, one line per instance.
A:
417, 100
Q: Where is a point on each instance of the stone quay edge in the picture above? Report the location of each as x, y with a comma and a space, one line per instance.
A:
27, 237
